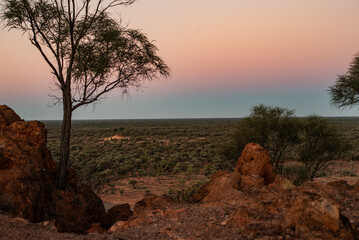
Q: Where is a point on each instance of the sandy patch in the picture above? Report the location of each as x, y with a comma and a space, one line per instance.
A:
117, 137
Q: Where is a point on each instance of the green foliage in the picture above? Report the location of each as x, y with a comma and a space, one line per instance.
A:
296, 173
89, 54
121, 191
192, 145
185, 194
274, 128
346, 173
345, 92
150, 147
320, 143
132, 182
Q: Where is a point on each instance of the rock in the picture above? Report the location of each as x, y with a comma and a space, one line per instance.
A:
96, 228
314, 215
119, 213
340, 184
253, 170
223, 186
27, 180
26, 167
151, 202
253, 167
7, 116
356, 187
120, 225
76, 209
72, 178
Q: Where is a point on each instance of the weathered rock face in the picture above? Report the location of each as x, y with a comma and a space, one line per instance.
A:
253, 167
223, 186
262, 203
151, 202
7, 116
26, 167
312, 215
76, 209
119, 213
253, 170
27, 180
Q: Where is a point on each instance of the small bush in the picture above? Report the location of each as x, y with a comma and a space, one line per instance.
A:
186, 193
296, 173
274, 128
121, 191
346, 173
132, 182
320, 144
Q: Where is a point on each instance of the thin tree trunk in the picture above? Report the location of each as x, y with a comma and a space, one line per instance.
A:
61, 182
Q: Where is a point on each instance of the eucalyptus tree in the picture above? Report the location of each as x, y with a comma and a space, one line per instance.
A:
345, 91
89, 53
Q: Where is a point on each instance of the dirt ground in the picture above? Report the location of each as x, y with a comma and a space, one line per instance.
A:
133, 189
341, 170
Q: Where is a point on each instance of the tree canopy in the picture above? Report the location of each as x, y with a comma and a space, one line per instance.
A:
345, 91
88, 51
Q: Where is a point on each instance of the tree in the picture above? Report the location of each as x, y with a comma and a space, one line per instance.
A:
345, 92
320, 144
275, 128
89, 53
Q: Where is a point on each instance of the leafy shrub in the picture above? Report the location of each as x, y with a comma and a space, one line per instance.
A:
296, 173
320, 143
346, 173
132, 182
274, 128
185, 194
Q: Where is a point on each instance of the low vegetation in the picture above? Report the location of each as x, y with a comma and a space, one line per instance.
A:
310, 142
105, 150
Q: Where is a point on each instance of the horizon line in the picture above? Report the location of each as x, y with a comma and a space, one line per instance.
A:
180, 118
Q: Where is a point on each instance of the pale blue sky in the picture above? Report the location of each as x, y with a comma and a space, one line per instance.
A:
225, 56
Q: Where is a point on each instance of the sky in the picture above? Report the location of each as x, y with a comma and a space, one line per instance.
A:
225, 57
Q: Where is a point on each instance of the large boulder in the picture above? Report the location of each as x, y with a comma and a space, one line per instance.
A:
26, 167
76, 209
253, 167
27, 180
119, 213
253, 170
7, 116
313, 216
151, 202
222, 186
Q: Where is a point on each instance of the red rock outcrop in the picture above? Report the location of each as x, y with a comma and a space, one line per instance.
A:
76, 209
27, 180
7, 116
119, 213
312, 215
26, 167
253, 170
151, 202
253, 167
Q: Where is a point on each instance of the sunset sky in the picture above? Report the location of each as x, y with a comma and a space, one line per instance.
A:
225, 57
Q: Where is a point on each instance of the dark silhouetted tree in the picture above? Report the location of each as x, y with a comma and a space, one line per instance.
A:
89, 53
345, 91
